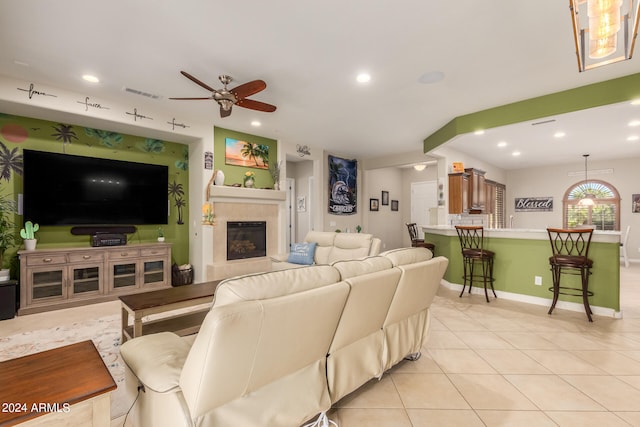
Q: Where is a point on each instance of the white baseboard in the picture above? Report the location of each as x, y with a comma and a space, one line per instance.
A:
529, 299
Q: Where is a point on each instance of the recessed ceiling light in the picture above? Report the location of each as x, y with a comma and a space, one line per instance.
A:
90, 78
256, 123
431, 77
634, 123
559, 134
502, 144
515, 153
479, 132
633, 138
363, 78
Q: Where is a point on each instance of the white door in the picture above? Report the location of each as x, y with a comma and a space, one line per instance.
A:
424, 195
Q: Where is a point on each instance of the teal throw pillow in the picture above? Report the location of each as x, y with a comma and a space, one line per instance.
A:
302, 253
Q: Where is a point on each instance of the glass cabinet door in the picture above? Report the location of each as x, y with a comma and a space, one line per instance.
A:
47, 285
124, 276
153, 272
86, 280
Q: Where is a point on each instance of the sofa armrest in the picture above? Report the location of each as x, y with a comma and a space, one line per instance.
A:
376, 245
279, 258
156, 359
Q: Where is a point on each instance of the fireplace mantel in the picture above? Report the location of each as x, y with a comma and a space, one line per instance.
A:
222, 193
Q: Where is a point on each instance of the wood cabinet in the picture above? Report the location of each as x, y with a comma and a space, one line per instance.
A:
64, 277
477, 190
467, 192
490, 196
458, 193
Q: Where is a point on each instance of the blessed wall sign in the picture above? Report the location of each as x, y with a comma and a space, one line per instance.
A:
534, 204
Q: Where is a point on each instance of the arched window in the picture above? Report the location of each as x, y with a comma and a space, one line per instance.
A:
603, 215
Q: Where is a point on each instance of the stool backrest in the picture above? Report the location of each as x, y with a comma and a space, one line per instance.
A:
471, 236
413, 230
570, 241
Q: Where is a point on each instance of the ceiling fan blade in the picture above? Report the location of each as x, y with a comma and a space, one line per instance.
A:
198, 82
248, 89
256, 105
191, 98
225, 113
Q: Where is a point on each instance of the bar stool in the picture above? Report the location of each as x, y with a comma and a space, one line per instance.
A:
416, 242
473, 252
570, 251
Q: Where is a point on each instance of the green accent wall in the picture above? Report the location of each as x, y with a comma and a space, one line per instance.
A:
234, 174
18, 133
517, 261
594, 95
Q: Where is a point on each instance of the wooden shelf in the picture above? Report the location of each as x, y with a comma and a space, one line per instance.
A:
183, 324
228, 192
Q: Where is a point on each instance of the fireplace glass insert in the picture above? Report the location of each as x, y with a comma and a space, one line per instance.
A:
246, 239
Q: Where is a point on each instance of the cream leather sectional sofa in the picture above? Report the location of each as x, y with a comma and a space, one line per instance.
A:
279, 348
332, 246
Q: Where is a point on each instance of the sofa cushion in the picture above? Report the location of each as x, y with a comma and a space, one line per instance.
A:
302, 253
352, 268
350, 246
324, 244
404, 256
274, 284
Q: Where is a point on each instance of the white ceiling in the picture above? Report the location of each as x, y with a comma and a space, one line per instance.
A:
491, 52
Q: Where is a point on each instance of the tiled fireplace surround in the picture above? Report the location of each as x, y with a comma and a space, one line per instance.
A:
241, 204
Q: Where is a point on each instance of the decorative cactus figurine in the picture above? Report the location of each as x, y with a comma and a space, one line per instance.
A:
29, 229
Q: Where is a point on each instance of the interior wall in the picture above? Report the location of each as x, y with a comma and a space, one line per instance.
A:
386, 224
18, 133
554, 181
303, 171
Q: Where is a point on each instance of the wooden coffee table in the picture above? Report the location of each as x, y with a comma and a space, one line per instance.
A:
65, 386
162, 301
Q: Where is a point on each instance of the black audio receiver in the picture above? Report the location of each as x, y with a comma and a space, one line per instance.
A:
108, 239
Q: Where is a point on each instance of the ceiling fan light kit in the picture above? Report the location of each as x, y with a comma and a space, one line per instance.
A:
604, 31
227, 98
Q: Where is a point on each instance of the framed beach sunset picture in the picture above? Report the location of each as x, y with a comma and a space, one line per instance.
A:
244, 153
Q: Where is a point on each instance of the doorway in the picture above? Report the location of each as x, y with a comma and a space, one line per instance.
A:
424, 197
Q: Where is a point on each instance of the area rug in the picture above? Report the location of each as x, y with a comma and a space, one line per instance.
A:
105, 334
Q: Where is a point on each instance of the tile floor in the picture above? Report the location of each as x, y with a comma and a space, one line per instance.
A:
510, 364
498, 364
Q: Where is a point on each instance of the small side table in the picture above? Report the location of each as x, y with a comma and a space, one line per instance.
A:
9, 299
163, 301
68, 386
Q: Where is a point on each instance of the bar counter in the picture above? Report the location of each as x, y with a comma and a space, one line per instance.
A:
523, 254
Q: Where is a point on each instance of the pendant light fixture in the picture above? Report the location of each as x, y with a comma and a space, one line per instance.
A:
588, 199
604, 31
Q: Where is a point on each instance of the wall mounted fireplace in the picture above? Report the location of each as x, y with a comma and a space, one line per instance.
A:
246, 239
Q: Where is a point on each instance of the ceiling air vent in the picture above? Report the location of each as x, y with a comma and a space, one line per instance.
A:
142, 93
544, 122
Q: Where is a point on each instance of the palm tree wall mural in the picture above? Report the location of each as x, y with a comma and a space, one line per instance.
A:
18, 133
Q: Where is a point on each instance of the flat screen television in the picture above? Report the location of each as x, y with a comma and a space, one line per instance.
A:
64, 189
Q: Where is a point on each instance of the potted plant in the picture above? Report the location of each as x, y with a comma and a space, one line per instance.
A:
274, 170
249, 178
7, 240
160, 234
7, 233
27, 233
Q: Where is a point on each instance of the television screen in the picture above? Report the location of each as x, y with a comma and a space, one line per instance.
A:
63, 189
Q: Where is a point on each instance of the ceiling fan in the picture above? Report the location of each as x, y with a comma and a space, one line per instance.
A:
227, 98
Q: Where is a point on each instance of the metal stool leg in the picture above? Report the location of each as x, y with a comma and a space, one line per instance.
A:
584, 272
555, 272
